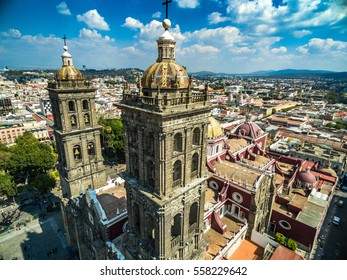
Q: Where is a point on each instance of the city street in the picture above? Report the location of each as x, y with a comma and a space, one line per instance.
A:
332, 238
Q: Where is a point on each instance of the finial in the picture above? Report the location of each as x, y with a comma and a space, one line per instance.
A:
166, 3
64, 38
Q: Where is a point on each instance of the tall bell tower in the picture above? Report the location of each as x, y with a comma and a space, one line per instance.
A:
77, 134
165, 135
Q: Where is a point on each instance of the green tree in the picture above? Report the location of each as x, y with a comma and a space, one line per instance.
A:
292, 244
7, 185
112, 133
5, 155
29, 157
280, 238
43, 183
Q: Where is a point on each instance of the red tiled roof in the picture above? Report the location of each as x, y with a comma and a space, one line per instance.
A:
283, 253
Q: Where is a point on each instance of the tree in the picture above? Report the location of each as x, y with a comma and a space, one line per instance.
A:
112, 134
7, 185
43, 183
5, 155
292, 244
29, 157
280, 238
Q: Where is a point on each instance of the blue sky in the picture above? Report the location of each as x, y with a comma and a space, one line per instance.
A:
231, 36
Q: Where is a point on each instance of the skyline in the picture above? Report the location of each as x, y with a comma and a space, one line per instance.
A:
230, 36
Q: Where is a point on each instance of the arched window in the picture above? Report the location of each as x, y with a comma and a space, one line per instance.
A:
193, 213
196, 136
136, 216
91, 149
177, 170
195, 162
71, 106
77, 152
176, 228
134, 165
86, 119
73, 121
150, 230
178, 142
149, 143
150, 173
85, 105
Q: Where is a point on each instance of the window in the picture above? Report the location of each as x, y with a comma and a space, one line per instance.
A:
193, 213
176, 228
71, 106
150, 173
178, 142
284, 224
91, 149
73, 121
237, 197
196, 136
177, 170
85, 105
136, 215
195, 162
86, 119
77, 152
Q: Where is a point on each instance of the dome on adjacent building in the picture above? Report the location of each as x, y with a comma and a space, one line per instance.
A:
68, 72
214, 129
306, 177
248, 129
165, 73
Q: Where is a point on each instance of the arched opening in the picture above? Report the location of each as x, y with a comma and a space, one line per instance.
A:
178, 142
136, 217
149, 143
177, 171
85, 105
77, 152
176, 227
150, 173
150, 230
71, 106
196, 136
73, 121
195, 162
91, 149
193, 213
86, 119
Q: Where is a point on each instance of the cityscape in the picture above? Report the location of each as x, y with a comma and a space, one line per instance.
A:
168, 161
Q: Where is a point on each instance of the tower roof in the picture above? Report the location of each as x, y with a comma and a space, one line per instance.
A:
214, 129
165, 73
68, 72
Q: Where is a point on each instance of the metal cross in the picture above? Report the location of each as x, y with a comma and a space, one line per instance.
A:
166, 3
64, 38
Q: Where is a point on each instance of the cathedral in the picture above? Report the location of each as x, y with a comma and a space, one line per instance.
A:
190, 191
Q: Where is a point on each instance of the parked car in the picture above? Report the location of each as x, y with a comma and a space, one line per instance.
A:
340, 203
336, 220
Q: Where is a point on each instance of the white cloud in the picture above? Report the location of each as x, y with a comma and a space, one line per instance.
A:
93, 20
200, 49
63, 9
301, 33
188, 3
279, 50
11, 33
156, 15
93, 34
132, 23
216, 18
302, 49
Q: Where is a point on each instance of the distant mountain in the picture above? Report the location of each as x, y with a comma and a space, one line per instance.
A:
290, 72
286, 73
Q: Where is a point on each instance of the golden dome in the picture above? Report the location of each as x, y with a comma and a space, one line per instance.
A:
67, 73
214, 129
165, 74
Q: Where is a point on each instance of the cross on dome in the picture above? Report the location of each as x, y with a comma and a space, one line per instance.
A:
166, 3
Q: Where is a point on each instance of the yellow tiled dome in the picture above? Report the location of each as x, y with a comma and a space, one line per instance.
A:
165, 74
68, 72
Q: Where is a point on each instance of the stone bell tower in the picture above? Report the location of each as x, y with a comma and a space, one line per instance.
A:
77, 134
165, 134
